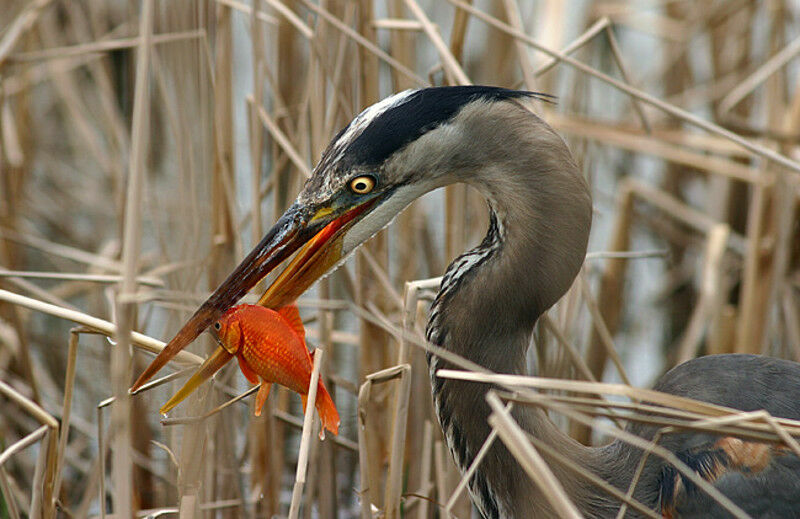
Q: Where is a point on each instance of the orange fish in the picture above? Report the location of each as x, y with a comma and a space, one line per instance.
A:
271, 348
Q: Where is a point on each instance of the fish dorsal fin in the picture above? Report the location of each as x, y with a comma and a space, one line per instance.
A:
292, 316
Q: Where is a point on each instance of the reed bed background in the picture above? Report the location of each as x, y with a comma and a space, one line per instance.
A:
146, 146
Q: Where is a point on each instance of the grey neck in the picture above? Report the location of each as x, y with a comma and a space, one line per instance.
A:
491, 297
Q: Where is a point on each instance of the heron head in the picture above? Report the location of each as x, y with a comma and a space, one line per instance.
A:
390, 154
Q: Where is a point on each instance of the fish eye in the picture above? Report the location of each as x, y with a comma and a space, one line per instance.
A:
362, 185
217, 326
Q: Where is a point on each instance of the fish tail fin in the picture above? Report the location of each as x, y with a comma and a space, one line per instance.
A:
327, 411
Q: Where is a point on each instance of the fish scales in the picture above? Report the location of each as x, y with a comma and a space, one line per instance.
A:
276, 355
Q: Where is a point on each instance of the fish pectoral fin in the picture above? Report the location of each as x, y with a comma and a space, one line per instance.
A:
261, 397
246, 371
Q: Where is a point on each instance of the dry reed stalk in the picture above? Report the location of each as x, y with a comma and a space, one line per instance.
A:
9, 498
67, 51
373, 342
525, 64
121, 365
647, 447
94, 278
306, 84
462, 485
708, 308
633, 92
306, 439
21, 24
42, 498
440, 464
530, 459
69, 385
426, 485
104, 327
393, 485
419, 431
327, 487
634, 141
609, 297
394, 479
671, 411
601, 328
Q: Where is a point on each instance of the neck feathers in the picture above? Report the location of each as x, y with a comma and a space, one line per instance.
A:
540, 216
491, 296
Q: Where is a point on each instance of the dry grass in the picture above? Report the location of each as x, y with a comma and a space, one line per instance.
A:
144, 146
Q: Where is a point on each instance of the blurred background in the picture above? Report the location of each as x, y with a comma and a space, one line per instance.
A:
146, 146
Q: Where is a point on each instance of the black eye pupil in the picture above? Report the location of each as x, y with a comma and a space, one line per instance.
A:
216, 326
362, 185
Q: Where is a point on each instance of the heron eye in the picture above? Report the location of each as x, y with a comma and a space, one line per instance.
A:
217, 326
362, 185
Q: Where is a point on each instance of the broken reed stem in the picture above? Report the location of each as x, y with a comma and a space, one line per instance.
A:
305, 438
22, 443
394, 479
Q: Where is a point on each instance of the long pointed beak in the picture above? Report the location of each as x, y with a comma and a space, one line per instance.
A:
321, 233
285, 237
213, 364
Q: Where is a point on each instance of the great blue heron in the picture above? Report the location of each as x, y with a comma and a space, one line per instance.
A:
490, 298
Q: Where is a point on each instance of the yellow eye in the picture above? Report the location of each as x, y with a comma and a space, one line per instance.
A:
362, 185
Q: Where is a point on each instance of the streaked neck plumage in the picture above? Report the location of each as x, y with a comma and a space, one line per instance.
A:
491, 296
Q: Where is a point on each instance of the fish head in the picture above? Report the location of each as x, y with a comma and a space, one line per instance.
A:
228, 330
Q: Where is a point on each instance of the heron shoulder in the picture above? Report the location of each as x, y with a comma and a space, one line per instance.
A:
742, 381
763, 479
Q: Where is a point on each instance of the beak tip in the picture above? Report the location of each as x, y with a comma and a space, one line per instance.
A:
136, 386
214, 363
189, 332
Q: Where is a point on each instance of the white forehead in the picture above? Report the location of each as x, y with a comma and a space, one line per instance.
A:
365, 118
361, 122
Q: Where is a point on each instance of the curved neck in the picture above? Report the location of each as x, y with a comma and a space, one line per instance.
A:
491, 297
